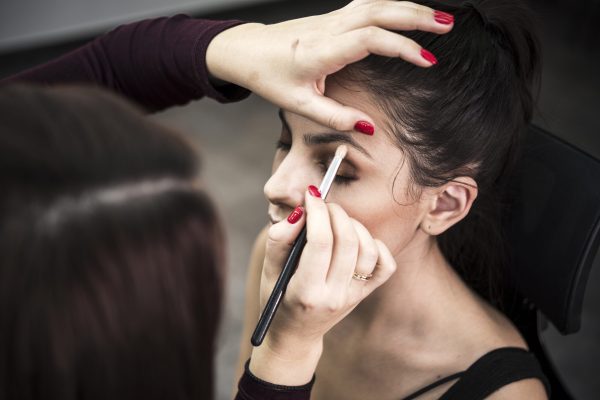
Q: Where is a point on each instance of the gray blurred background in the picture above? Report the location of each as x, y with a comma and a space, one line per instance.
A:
237, 141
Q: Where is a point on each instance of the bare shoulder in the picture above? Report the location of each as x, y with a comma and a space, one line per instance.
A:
258, 249
530, 389
255, 265
499, 330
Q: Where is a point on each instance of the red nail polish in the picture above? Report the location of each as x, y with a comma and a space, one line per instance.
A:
364, 127
295, 215
443, 18
314, 191
428, 56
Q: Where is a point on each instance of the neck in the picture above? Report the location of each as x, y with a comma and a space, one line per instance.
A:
420, 300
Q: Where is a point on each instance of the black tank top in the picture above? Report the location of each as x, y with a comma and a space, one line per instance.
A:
489, 373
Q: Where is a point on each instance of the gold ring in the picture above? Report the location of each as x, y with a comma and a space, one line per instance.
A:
361, 277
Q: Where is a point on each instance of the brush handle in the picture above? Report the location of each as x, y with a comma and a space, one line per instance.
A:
278, 290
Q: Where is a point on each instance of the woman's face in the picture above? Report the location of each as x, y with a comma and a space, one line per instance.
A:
371, 184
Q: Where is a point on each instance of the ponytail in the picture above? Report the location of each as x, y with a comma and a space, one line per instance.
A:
464, 117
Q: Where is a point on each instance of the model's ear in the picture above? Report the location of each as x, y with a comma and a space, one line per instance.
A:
448, 204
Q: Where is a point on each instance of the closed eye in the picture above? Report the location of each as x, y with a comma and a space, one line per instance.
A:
340, 178
281, 145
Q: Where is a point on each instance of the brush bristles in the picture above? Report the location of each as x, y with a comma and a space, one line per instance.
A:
341, 151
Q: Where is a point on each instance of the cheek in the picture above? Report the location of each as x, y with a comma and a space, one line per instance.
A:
391, 220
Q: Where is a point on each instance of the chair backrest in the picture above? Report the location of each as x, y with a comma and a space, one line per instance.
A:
554, 232
554, 227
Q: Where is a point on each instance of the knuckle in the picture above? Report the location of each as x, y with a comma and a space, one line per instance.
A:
414, 12
319, 246
348, 242
299, 100
370, 256
336, 121
373, 11
369, 33
334, 206
334, 305
272, 240
320, 241
400, 45
412, 17
320, 238
275, 235
336, 211
351, 237
307, 301
270, 246
408, 45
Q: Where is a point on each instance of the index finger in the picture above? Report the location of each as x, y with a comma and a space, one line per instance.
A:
316, 256
402, 16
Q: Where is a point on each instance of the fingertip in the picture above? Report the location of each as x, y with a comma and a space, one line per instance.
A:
310, 199
296, 215
334, 115
365, 127
286, 231
442, 18
277, 232
361, 122
429, 57
314, 191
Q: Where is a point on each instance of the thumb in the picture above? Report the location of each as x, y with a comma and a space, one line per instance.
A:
281, 237
329, 112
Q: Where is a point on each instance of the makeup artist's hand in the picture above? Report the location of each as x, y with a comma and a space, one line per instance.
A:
287, 63
320, 293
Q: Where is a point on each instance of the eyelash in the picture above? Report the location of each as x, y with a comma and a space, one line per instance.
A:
340, 179
283, 146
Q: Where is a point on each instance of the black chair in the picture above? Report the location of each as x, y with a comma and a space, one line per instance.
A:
554, 231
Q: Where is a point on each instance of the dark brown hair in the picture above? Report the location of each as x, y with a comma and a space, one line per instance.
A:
464, 117
110, 257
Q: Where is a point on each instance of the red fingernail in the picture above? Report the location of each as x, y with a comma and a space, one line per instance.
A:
314, 191
443, 18
295, 215
429, 56
364, 127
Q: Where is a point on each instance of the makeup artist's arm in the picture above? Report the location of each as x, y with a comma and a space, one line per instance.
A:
166, 61
320, 294
157, 63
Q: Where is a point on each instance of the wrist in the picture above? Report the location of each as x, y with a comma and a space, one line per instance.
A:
227, 56
289, 364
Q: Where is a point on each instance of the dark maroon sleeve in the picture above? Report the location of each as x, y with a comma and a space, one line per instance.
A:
157, 63
252, 388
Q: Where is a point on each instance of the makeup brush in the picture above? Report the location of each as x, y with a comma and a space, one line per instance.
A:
292, 261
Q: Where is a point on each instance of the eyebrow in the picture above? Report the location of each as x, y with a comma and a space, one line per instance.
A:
326, 138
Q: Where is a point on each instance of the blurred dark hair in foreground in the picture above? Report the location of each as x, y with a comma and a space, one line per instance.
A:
110, 255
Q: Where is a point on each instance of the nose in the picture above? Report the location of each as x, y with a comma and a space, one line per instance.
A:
289, 181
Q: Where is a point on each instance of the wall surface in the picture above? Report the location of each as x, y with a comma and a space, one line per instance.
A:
238, 141
25, 23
